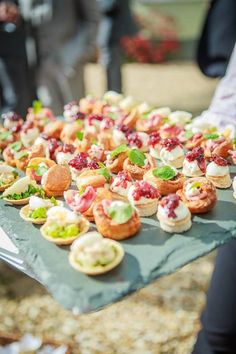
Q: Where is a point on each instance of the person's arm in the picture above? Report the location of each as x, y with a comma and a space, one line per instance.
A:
222, 110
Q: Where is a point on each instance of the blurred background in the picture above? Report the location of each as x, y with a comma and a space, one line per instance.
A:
58, 51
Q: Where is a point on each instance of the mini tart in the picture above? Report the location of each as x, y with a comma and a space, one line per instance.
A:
195, 141
219, 179
102, 193
96, 270
19, 186
170, 148
35, 162
131, 119
120, 185
199, 206
165, 187
17, 202
222, 182
108, 228
24, 212
105, 140
136, 171
221, 149
84, 227
68, 134
54, 129
8, 157
56, 180
90, 178
7, 185
116, 165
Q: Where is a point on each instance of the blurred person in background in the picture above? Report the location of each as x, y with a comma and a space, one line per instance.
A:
218, 333
18, 51
116, 22
66, 42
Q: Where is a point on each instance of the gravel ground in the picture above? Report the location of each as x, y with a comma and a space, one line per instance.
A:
163, 318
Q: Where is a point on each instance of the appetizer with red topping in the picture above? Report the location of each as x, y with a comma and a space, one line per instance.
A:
154, 143
120, 185
138, 163
217, 145
194, 164
198, 194
64, 153
144, 197
172, 152
138, 140
218, 172
37, 167
173, 215
194, 141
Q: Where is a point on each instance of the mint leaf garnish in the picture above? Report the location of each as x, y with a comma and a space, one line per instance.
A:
165, 173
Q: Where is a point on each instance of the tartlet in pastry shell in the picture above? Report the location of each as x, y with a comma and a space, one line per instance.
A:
84, 227
222, 182
201, 205
177, 227
24, 212
116, 165
56, 180
17, 202
136, 171
110, 229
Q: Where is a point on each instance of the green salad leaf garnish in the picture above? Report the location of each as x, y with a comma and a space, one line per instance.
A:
120, 212
137, 157
79, 122
5, 135
104, 171
188, 134
53, 201
80, 135
39, 213
39, 169
119, 150
16, 146
37, 106
196, 185
32, 190
57, 231
165, 173
211, 136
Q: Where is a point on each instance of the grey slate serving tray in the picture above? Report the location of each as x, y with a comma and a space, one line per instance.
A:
148, 256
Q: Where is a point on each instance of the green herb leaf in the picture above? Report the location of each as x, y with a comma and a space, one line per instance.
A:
104, 171
53, 201
165, 173
79, 122
81, 191
37, 106
32, 190
39, 213
113, 115
118, 150
120, 212
137, 157
80, 135
196, 185
211, 136
188, 134
94, 141
5, 135
16, 146
19, 155
41, 169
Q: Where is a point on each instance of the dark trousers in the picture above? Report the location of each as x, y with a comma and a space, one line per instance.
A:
218, 334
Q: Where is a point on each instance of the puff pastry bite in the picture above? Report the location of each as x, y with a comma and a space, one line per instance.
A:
12, 120
144, 197
151, 124
170, 131
37, 167
138, 140
198, 194
218, 172
138, 163
173, 215
117, 220
81, 163
84, 200
93, 255
115, 159
216, 145
63, 226
172, 152
28, 134
97, 153
154, 143
120, 185
72, 111
8, 175
95, 178
196, 140
54, 129
36, 210
69, 131
165, 178
56, 180
64, 153
194, 164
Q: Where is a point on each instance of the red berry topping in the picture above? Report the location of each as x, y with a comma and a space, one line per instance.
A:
172, 130
70, 105
196, 136
170, 203
220, 161
144, 189
66, 148
154, 139
124, 129
16, 128
197, 154
12, 116
134, 140
93, 165
121, 179
52, 147
170, 144
80, 161
93, 117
